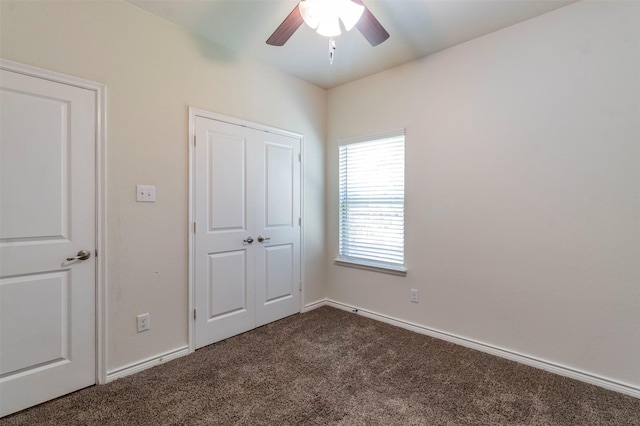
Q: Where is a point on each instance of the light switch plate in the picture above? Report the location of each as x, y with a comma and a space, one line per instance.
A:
146, 193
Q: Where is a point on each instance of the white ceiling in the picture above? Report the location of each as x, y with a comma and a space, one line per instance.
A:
417, 28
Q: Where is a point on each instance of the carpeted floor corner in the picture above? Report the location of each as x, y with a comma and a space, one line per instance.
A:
330, 367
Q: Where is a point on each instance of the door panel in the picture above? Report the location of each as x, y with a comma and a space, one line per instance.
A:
279, 185
227, 183
47, 155
47, 214
227, 284
279, 281
278, 286
49, 340
246, 185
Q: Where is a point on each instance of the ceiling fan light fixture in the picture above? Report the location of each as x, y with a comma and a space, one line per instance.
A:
350, 13
329, 27
310, 13
314, 12
325, 15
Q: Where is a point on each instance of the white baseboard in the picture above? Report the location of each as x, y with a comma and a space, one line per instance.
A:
314, 305
147, 363
490, 349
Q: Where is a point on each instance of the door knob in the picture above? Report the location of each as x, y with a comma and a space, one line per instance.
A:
82, 255
249, 240
261, 238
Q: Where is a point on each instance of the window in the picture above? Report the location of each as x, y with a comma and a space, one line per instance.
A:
372, 203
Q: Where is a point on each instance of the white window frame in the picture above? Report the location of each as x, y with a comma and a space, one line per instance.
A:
390, 267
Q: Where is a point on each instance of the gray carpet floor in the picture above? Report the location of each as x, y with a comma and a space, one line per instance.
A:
330, 367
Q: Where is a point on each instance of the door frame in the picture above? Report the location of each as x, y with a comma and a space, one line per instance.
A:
196, 112
100, 250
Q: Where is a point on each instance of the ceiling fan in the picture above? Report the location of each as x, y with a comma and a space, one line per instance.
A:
323, 15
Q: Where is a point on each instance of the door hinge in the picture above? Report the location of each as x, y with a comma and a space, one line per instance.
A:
299, 158
299, 221
194, 227
194, 314
194, 140
300, 286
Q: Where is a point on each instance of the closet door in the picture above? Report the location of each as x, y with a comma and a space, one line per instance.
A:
247, 232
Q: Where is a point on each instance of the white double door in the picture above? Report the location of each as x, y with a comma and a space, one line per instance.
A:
47, 216
247, 228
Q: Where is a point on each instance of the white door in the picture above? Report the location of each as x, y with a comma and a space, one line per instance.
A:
247, 233
47, 214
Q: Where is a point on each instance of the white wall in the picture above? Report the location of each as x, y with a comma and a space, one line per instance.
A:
154, 71
522, 188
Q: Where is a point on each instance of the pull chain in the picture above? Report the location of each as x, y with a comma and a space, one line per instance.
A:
332, 49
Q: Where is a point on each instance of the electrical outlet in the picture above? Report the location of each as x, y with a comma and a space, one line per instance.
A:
414, 295
144, 322
146, 193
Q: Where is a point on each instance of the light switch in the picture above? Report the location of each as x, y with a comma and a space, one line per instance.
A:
146, 193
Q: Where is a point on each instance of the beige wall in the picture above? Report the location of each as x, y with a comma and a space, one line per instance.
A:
522, 188
154, 71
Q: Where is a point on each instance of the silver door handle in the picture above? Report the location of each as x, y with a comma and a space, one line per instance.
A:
261, 238
249, 240
82, 255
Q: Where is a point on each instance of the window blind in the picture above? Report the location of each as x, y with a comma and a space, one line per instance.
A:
371, 192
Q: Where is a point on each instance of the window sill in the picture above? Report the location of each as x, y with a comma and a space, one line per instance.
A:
372, 266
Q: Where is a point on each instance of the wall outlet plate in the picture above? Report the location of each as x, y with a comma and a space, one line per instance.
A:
414, 295
144, 322
146, 193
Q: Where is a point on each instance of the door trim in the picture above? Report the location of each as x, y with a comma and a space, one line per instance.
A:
100, 91
196, 112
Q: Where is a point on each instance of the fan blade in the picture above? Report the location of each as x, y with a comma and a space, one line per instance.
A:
286, 28
370, 27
